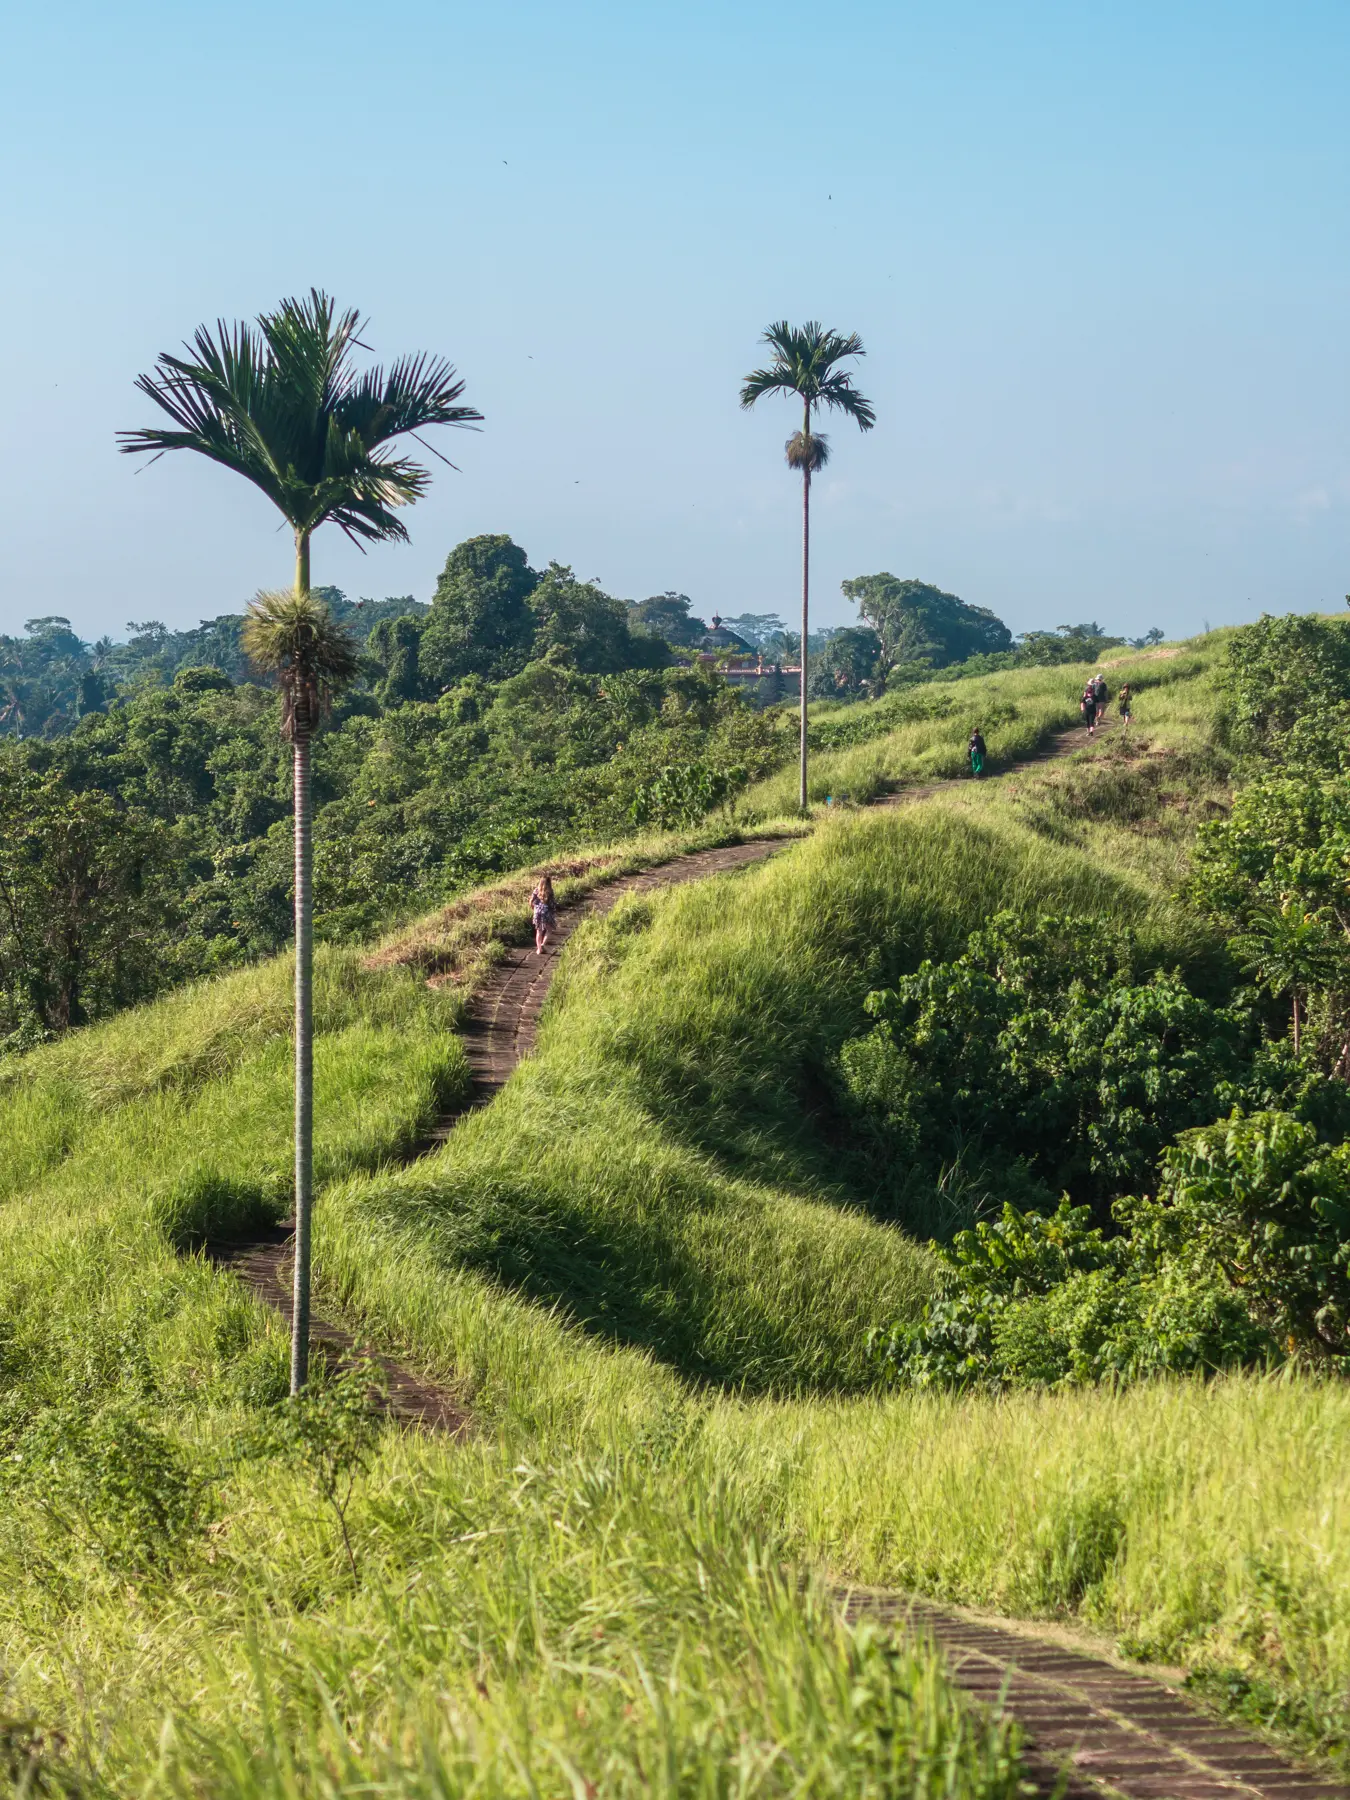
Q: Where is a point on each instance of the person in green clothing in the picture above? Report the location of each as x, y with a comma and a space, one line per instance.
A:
977, 753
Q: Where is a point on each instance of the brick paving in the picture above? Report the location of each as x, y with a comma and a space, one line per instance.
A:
266, 1265
1092, 1726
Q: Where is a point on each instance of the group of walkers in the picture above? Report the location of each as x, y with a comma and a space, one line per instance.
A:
1092, 702
1092, 705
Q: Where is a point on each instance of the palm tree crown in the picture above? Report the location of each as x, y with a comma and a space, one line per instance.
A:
282, 405
295, 637
805, 363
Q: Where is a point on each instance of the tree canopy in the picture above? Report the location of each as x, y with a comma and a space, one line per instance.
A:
668, 616
480, 621
916, 622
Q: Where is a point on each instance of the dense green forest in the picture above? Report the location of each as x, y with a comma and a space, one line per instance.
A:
1190, 1121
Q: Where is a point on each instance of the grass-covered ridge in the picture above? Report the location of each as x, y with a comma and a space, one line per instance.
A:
919, 735
662, 1167
645, 1267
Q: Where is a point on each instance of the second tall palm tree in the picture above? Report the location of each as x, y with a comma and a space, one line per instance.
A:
806, 362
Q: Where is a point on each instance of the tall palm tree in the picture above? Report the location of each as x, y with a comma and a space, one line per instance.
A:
282, 404
805, 363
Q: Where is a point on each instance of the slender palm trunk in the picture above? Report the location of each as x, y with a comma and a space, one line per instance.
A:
304, 1020
1298, 1020
806, 592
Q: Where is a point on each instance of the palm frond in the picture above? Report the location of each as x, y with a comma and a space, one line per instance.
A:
417, 391
838, 391
282, 405
766, 381
805, 359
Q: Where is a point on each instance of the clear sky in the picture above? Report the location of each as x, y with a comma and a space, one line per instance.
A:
1097, 252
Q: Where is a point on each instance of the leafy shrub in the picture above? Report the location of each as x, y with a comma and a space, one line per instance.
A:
1042, 1049
114, 1481
331, 1427
682, 793
1243, 1256
1289, 681
1032, 1300
1268, 1204
1038, 1043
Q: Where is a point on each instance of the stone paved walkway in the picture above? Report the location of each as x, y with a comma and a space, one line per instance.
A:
1092, 1725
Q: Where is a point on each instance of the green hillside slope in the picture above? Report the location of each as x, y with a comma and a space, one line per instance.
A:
649, 1268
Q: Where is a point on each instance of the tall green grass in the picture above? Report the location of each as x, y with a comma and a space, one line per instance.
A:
1206, 1524
610, 1623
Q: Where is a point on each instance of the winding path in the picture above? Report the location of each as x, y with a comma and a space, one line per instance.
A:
1092, 1728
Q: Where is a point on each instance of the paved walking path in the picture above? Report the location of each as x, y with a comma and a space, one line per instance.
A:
267, 1264
504, 1013
1093, 1728
1092, 1725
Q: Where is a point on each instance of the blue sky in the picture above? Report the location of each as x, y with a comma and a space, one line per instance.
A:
1098, 255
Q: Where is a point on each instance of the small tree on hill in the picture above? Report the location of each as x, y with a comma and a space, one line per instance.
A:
283, 406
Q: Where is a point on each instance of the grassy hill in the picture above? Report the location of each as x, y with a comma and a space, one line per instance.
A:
649, 1268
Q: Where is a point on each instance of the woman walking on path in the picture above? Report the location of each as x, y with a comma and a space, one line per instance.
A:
1087, 706
545, 910
1124, 700
977, 753
1100, 692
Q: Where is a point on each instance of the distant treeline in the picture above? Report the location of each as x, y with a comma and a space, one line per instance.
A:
492, 614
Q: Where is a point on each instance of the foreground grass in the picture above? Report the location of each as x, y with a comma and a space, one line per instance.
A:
596, 1625
1206, 1524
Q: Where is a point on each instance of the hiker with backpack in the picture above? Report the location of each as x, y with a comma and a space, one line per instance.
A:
1100, 692
977, 753
1087, 706
1125, 700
